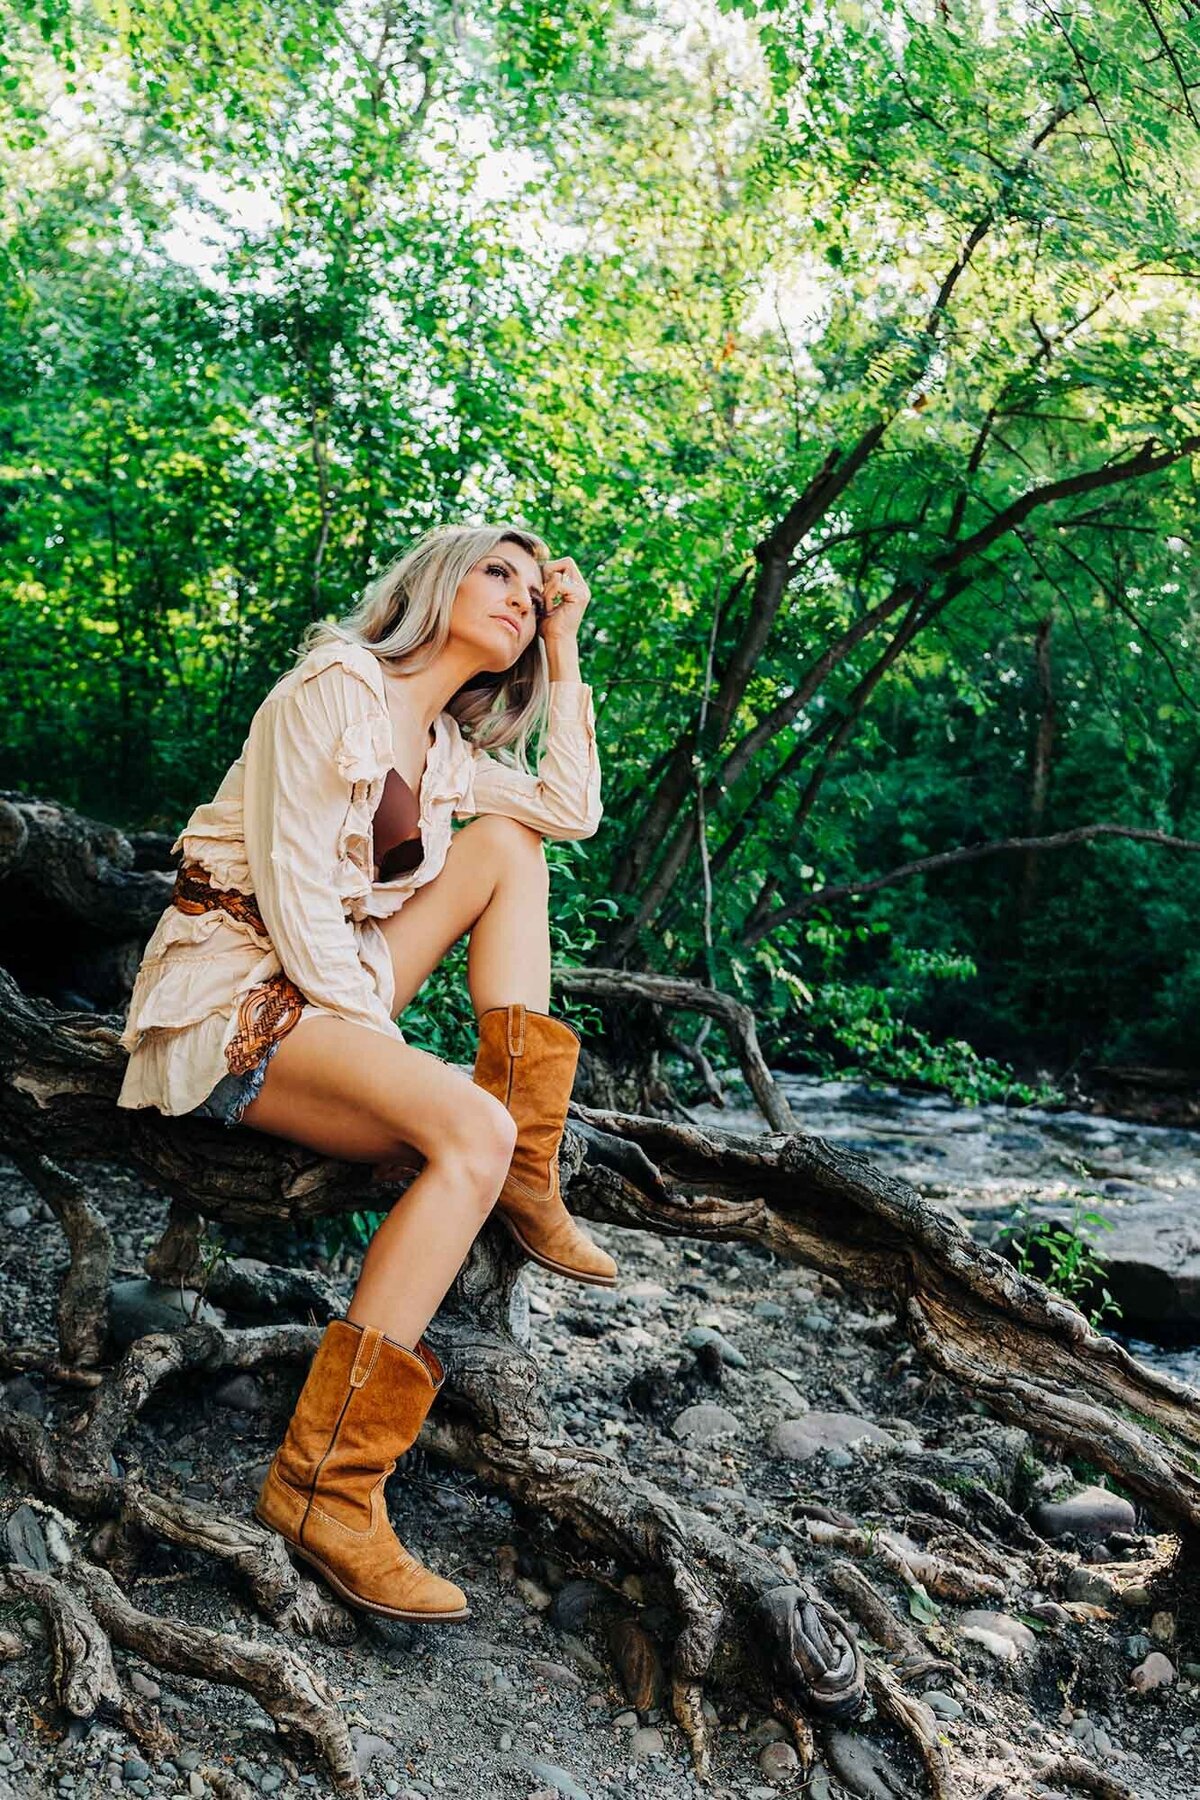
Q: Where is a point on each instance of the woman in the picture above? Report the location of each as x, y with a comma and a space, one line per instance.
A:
318, 890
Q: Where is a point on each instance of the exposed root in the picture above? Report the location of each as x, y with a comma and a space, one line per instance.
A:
987, 1510
296, 1696
225, 1784
84, 1676
502, 1434
959, 1547
916, 1721
873, 1613
803, 1739
913, 1566
687, 1709
82, 1312
240, 1282
86, 1493
286, 1598
994, 1331
45, 1359
1074, 1772
152, 1359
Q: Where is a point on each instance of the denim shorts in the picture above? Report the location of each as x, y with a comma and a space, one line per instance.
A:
233, 1093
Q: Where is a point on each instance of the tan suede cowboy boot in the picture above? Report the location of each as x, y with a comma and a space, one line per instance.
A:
527, 1059
362, 1405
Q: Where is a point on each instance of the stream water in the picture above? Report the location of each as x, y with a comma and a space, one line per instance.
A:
985, 1161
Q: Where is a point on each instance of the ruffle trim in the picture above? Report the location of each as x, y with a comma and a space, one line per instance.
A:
365, 748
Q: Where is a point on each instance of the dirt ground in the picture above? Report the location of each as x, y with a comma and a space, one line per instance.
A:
526, 1696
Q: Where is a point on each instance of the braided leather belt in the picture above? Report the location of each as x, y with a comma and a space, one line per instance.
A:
267, 1011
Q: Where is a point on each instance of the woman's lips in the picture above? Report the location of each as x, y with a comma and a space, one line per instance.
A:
512, 623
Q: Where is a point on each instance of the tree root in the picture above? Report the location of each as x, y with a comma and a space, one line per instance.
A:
1073, 1771
92, 1609
913, 1566
296, 1696
84, 1676
807, 1652
291, 1602
240, 1282
159, 1355
975, 1318
499, 1431
872, 1611
914, 1720
82, 1310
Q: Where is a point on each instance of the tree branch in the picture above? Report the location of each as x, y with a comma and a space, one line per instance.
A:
1077, 834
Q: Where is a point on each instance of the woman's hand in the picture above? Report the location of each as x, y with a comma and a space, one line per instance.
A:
565, 595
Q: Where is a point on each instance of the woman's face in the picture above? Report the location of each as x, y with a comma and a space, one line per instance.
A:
494, 607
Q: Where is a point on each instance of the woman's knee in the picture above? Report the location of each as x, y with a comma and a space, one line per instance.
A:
506, 840
478, 1143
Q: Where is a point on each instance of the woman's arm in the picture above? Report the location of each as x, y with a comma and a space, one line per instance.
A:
302, 754
563, 799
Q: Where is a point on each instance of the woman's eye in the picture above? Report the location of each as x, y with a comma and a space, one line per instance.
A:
498, 569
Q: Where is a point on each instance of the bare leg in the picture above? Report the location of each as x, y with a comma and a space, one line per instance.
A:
495, 883
348, 1092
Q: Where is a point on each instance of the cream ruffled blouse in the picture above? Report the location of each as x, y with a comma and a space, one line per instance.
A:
291, 823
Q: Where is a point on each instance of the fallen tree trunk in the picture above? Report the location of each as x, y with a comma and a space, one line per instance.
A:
1003, 1335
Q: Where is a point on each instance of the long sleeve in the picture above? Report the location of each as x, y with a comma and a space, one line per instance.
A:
304, 748
563, 799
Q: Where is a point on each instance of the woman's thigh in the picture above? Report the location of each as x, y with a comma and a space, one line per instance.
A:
347, 1091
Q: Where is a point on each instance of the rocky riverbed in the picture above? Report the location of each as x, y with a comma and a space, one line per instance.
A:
985, 1163
744, 1387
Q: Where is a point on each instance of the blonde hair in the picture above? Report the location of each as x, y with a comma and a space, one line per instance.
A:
403, 618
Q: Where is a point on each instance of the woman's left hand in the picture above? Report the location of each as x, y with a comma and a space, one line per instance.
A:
565, 595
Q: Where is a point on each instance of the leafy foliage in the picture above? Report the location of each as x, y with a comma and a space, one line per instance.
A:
285, 285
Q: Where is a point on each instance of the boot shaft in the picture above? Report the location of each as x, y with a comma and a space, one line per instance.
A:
362, 1405
527, 1059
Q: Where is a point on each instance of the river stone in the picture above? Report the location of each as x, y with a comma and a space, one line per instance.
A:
861, 1767
241, 1392
26, 1540
558, 1779
1088, 1584
999, 1633
572, 1604
1157, 1671
778, 1760
558, 1674
1091, 1512
783, 1391
799, 1439
1151, 1254
368, 1748
138, 1307
700, 1336
702, 1423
